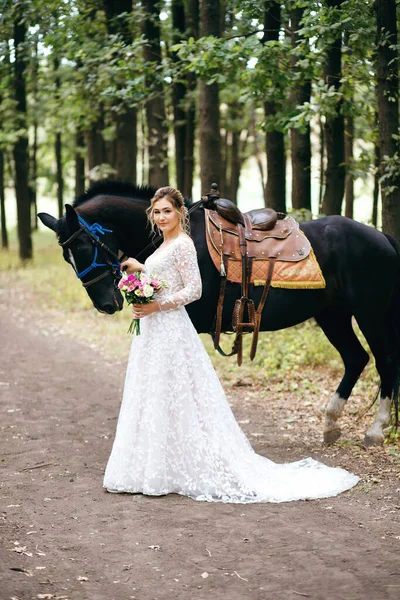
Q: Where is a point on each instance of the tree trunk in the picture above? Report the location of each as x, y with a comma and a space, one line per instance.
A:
58, 148
179, 95
124, 148
223, 180
388, 112
275, 192
126, 145
33, 178
334, 131
3, 222
33, 158
321, 164
192, 13
59, 174
189, 143
96, 149
79, 163
233, 160
155, 108
375, 196
235, 167
21, 147
348, 158
210, 143
300, 142
257, 152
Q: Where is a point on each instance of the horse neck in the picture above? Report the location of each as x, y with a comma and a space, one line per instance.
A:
125, 216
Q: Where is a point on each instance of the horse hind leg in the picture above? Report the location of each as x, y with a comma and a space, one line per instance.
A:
375, 435
379, 337
337, 326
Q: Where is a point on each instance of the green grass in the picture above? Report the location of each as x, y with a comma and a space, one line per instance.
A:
291, 359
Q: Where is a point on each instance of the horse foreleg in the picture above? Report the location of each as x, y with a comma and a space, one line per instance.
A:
336, 324
333, 411
376, 433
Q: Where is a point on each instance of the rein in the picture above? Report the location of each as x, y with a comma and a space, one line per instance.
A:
93, 231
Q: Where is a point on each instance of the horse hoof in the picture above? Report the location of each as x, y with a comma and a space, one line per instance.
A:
373, 440
331, 436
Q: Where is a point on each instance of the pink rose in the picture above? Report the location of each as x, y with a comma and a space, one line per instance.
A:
145, 280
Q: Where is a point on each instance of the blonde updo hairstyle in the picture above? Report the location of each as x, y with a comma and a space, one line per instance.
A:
175, 198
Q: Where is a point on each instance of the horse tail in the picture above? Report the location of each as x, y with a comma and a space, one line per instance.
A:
395, 324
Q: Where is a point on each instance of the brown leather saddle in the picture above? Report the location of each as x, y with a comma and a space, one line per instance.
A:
245, 248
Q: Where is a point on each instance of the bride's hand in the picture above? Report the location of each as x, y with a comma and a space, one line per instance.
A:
130, 265
143, 310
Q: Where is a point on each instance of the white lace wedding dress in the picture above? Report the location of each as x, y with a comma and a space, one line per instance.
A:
176, 432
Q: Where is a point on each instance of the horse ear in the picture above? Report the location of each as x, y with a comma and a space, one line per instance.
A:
72, 218
48, 221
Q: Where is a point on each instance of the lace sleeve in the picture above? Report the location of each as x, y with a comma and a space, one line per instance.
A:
185, 257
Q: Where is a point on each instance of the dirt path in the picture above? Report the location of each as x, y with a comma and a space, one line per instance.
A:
63, 537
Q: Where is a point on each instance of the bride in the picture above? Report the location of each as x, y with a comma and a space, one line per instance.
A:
176, 432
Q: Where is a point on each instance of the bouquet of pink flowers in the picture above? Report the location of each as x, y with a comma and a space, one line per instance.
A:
139, 288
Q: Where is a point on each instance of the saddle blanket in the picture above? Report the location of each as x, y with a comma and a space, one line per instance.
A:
305, 274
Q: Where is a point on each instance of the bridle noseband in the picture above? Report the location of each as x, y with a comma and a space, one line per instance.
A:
93, 232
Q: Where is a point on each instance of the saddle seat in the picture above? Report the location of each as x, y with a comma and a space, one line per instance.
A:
283, 240
263, 219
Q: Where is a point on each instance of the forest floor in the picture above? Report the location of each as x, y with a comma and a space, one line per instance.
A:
63, 537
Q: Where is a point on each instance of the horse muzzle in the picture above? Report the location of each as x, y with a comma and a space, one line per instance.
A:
109, 308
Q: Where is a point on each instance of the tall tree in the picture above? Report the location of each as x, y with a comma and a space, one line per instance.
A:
388, 114
375, 193
275, 192
192, 13
95, 144
179, 95
348, 158
348, 137
3, 221
300, 139
334, 124
35, 126
209, 118
58, 145
21, 146
118, 13
79, 162
157, 126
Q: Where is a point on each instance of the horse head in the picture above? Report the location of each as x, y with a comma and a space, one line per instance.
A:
92, 251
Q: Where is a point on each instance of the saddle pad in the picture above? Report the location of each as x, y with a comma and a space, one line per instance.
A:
306, 274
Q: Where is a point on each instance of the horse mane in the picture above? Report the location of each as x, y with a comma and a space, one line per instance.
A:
109, 187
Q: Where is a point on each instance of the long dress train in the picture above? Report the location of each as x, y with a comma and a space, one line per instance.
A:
176, 432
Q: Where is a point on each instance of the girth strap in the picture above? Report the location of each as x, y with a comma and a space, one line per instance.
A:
260, 306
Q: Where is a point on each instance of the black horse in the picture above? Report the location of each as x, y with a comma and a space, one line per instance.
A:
361, 267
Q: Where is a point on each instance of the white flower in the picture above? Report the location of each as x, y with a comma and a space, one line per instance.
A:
147, 291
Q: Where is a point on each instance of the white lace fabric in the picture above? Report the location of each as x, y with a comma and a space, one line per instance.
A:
176, 432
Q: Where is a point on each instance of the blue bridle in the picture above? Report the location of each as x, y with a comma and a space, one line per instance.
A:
94, 231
